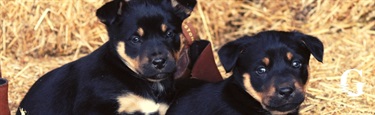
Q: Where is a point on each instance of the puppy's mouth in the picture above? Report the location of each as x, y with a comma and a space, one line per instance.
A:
158, 77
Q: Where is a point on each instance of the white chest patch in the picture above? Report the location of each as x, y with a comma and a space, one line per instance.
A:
131, 103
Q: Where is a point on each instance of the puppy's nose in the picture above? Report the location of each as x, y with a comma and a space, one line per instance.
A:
158, 63
285, 92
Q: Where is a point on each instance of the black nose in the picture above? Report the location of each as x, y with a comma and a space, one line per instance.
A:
158, 63
285, 91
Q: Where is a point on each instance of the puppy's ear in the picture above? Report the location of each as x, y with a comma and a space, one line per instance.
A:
230, 52
108, 13
314, 45
183, 8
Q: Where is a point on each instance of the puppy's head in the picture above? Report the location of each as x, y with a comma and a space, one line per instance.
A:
272, 67
146, 33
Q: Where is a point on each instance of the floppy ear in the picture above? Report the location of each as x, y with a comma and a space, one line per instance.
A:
314, 45
108, 13
230, 52
183, 8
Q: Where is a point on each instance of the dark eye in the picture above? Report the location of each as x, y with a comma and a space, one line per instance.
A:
170, 34
135, 39
261, 70
296, 64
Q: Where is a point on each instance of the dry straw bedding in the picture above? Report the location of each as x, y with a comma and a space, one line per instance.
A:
39, 35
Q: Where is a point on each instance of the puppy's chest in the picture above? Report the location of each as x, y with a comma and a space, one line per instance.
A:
130, 103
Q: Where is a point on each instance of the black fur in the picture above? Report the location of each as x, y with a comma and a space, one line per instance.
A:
273, 82
131, 62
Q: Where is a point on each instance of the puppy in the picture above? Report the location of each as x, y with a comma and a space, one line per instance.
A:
270, 70
132, 73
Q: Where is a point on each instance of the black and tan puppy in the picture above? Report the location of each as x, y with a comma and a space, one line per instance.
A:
269, 69
130, 74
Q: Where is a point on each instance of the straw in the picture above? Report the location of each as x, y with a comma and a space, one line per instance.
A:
40, 35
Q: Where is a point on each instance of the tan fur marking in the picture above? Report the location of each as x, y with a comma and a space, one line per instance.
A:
130, 62
140, 31
266, 61
271, 91
249, 88
163, 108
174, 3
299, 87
289, 55
163, 27
130, 103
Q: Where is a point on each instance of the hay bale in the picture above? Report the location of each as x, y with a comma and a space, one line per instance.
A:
37, 36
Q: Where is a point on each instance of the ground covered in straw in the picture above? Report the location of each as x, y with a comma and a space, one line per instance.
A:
39, 35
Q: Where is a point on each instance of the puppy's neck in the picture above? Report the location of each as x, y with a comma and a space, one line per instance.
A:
161, 89
157, 88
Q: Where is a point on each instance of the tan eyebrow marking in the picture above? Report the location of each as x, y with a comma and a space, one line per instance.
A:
163, 27
266, 61
140, 32
289, 55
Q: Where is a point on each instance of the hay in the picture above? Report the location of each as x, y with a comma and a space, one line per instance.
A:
37, 36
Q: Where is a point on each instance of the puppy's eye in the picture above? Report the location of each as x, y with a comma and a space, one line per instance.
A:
261, 70
135, 39
170, 34
296, 64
